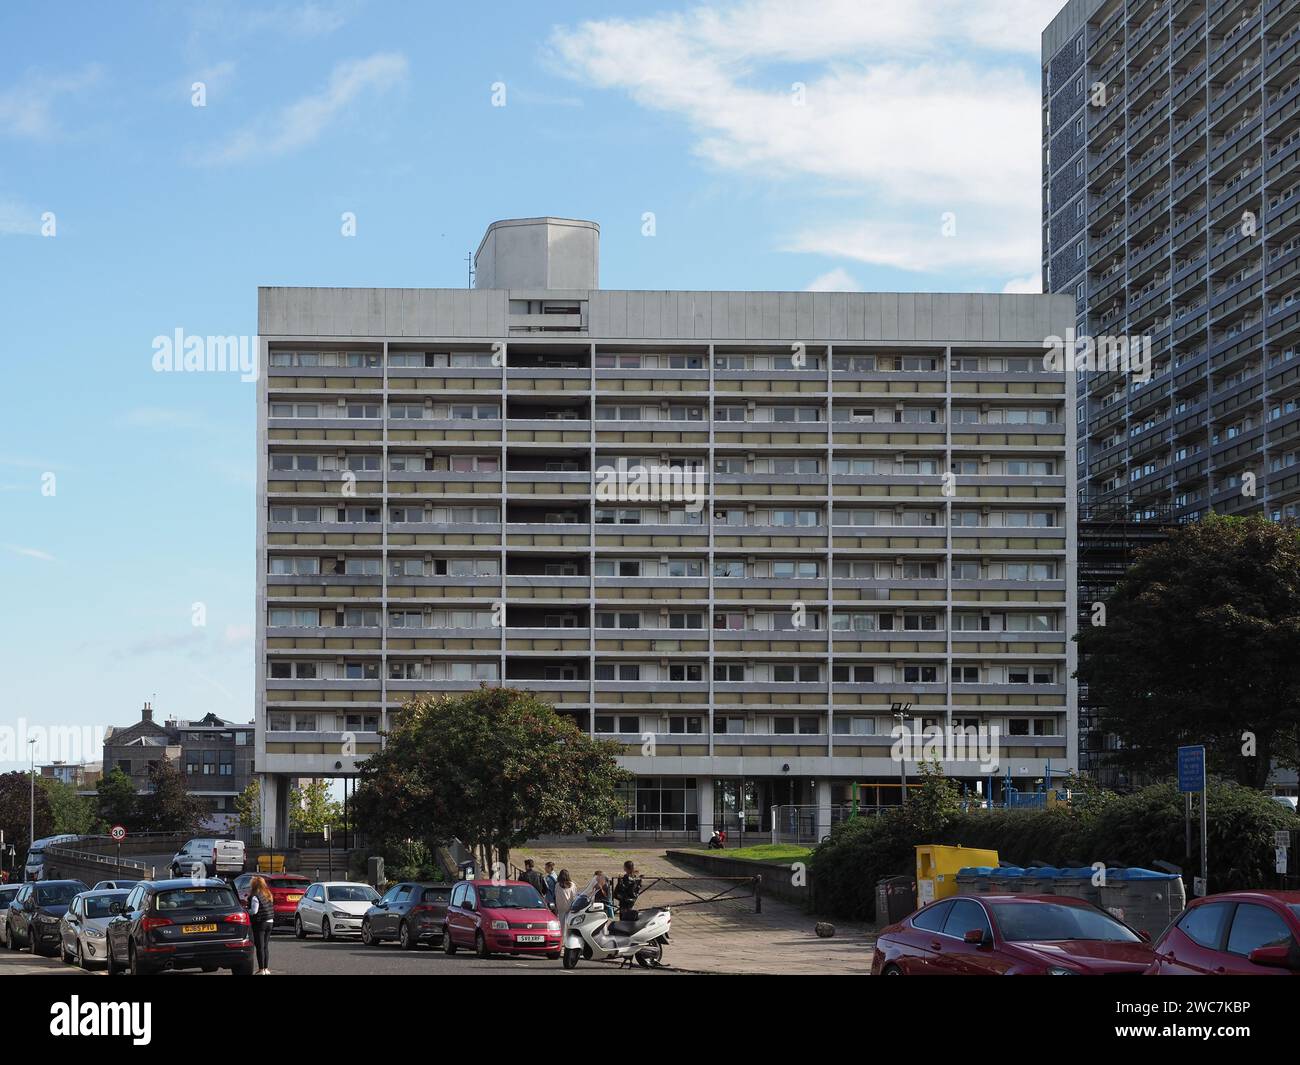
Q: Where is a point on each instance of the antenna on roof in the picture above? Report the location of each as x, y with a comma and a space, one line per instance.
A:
469, 269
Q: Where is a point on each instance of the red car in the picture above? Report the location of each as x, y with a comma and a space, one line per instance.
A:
500, 917
1254, 933
286, 888
1010, 935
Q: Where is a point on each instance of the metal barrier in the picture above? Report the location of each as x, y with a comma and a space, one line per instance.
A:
57, 857
798, 824
735, 891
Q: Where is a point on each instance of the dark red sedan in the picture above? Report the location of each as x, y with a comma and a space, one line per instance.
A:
1254, 933
1010, 935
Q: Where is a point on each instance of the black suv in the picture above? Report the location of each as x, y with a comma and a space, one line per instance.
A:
180, 924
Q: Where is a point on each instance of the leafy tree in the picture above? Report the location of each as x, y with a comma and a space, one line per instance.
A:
117, 802
312, 808
15, 813
493, 768
1199, 646
72, 813
169, 807
248, 807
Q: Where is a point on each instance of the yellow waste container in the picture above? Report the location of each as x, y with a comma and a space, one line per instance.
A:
270, 863
936, 869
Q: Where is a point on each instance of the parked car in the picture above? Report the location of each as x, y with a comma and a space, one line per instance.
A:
7, 893
334, 908
492, 917
1239, 932
115, 885
82, 928
1009, 935
34, 869
35, 911
180, 924
217, 857
1289, 801
287, 889
410, 913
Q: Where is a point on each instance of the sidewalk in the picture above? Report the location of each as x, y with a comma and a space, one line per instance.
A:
724, 937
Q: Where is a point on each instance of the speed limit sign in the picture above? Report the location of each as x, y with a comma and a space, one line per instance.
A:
117, 833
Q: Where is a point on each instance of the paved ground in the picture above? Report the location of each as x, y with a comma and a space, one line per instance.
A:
726, 937
292, 957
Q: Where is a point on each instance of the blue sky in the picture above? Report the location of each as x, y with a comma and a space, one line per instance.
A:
777, 146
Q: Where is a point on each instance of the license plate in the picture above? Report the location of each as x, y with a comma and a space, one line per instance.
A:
530, 939
294, 898
192, 928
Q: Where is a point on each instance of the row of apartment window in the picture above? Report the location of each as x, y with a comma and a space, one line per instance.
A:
697, 724
810, 517
680, 673
303, 462
730, 621
749, 413
788, 569
857, 363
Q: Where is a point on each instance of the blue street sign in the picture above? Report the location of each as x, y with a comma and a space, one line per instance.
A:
1191, 769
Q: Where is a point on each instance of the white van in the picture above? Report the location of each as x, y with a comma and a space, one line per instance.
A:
216, 857
36, 855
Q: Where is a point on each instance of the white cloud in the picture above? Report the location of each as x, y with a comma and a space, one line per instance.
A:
1031, 285
18, 220
922, 106
302, 122
837, 280
27, 107
921, 247
29, 552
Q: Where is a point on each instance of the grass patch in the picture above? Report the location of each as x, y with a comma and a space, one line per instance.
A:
768, 852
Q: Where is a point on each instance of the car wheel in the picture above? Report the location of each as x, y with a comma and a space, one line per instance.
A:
176, 871
81, 957
571, 956
298, 929
65, 955
892, 970
368, 937
113, 968
326, 929
480, 946
404, 937
134, 963
448, 947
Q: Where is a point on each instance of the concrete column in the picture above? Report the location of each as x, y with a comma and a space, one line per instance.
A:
275, 809
823, 799
704, 800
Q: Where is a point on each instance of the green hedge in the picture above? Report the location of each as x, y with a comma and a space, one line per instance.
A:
1137, 829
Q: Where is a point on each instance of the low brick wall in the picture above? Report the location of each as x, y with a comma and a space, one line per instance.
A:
777, 876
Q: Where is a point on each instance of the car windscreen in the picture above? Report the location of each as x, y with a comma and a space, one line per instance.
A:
436, 894
351, 893
196, 898
510, 897
7, 893
102, 905
1021, 922
57, 894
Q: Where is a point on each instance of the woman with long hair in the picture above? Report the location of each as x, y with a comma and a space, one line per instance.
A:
261, 912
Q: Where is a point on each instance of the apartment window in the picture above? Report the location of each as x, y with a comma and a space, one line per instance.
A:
679, 567
733, 726
686, 621
853, 674
685, 673
682, 725
728, 672
792, 726
965, 674
796, 674
921, 674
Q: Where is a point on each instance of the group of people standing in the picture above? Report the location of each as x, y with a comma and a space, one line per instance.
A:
559, 889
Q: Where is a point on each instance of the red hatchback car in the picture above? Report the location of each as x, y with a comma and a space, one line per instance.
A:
1255, 933
1009, 935
286, 888
500, 917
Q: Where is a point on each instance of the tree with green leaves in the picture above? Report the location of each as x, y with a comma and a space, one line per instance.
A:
169, 806
492, 767
117, 802
15, 813
248, 807
312, 808
73, 814
1199, 645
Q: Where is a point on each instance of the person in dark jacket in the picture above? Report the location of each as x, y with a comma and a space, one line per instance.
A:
261, 913
532, 876
626, 891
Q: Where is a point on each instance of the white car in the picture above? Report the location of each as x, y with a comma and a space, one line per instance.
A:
333, 908
82, 927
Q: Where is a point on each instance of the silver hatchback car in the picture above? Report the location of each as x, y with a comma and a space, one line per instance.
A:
82, 928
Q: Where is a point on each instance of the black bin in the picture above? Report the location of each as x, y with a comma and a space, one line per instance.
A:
895, 899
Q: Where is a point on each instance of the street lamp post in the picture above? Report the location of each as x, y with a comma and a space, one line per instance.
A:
31, 830
900, 711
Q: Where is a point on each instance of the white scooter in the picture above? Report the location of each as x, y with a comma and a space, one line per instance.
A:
590, 933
